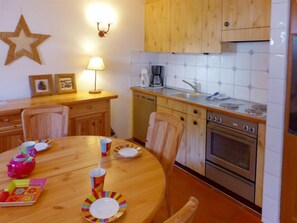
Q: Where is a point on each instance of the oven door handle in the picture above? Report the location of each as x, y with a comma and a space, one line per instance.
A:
233, 133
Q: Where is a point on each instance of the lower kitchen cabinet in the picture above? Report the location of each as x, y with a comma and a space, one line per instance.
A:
191, 152
89, 114
196, 137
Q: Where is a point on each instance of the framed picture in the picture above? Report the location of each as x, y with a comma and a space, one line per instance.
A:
41, 85
65, 83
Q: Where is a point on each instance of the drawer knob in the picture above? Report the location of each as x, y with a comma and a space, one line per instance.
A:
195, 122
182, 118
195, 111
226, 23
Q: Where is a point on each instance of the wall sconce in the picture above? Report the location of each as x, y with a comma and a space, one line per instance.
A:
102, 32
96, 63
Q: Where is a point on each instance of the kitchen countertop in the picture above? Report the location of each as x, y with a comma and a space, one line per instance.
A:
213, 105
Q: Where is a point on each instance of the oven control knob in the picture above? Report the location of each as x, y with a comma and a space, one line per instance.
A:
252, 129
215, 119
246, 128
210, 117
219, 120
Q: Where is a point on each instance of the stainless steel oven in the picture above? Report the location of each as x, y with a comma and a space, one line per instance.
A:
231, 153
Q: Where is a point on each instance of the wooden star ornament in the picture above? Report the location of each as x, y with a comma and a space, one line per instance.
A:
22, 42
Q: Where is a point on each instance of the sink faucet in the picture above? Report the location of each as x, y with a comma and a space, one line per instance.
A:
195, 85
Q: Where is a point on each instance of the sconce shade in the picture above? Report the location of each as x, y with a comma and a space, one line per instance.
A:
96, 63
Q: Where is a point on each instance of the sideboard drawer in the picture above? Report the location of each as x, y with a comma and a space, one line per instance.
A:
10, 119
88, 108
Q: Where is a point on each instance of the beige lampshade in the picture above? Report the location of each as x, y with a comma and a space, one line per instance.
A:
96, 63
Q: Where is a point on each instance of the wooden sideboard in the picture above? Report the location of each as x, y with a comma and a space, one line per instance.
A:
89, 115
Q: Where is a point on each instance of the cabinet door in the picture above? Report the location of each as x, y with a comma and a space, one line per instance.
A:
89, 125
185, 26
182, 150
157, 25
10, 138
196, 137
246, 20
245, 14
211, 27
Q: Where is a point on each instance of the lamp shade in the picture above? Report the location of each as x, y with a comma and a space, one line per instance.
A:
96, 63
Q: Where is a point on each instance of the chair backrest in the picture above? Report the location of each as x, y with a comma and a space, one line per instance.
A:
186, 214
44, 122
164, 134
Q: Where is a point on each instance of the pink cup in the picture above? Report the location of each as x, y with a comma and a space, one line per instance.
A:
97, 177
105, 144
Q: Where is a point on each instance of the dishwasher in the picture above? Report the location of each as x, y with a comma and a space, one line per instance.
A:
143, 106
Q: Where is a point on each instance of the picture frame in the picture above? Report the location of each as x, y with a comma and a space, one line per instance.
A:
65, 83
41, 85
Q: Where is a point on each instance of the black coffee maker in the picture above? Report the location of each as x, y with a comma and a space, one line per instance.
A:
157, 76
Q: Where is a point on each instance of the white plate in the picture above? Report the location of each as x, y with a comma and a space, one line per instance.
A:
104, 208
41, 146
128, 152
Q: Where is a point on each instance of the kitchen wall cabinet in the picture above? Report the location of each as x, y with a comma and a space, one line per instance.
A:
89, 114
246, 20
157, 25
189, 26
191, 152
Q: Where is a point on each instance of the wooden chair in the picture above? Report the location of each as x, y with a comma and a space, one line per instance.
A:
186, 214
164, 134
44, 122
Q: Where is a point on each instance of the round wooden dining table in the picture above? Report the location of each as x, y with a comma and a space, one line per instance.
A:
66, 165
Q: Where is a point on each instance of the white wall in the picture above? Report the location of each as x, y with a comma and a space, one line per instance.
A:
73, 41
276, 110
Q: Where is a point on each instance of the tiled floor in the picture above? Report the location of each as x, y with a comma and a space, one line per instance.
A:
214, 206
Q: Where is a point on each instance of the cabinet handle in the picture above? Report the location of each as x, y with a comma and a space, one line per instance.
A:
226, 23
195, 111
71, 107
195, 122
182, 118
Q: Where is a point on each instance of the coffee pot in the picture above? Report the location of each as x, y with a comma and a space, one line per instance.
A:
157, 76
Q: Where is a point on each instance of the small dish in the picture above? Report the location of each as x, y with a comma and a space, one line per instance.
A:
106, 206
22, 192
127, 151
41, 146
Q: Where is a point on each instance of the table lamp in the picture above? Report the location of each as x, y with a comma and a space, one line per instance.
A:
96, 63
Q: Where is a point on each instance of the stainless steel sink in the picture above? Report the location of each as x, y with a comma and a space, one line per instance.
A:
186, 95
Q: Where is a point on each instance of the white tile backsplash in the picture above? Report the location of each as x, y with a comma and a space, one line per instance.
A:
259, 79
243, 61
227, 76
241, 72
242, 78
227, 60
260, 61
